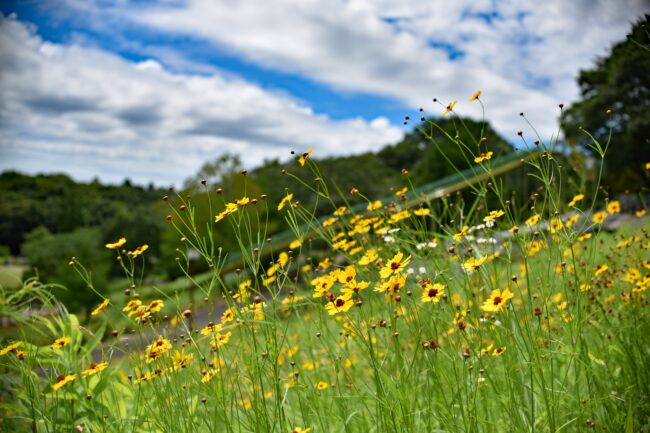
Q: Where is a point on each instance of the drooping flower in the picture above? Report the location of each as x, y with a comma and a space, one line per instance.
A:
475, 96
497, 301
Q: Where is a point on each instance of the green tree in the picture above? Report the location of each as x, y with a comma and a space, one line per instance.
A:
615, 94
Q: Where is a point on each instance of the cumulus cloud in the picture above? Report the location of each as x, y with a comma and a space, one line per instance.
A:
86, 111
523, 55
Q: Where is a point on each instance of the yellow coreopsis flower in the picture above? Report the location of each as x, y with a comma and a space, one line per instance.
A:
599, 217
304, 157
155, 306
117, 244
432, 292
94, 368
321, 385
493, 215
497, 301
100, 307
422, 211
475, 96
340, 304
374, 205
10, 348
576, 199
395, 265
532, 220
450, 107
369, 257
62, 380
220, 339
286, 200
483, 157
60, 342
157, 348
613, 207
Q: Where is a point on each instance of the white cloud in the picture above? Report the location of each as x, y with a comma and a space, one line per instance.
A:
525, 59
89, 112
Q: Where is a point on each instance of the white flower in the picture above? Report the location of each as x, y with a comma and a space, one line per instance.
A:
410, 271
389, 239
422, 270
395, 230
489, 223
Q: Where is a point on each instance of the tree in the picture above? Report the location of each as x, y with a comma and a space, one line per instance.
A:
616, 94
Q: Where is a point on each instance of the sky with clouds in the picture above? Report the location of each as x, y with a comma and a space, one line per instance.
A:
150, 90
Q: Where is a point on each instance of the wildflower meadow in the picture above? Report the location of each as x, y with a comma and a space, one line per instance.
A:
457, 309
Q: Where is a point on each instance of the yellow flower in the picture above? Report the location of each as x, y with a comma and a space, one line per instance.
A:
230, 209
181, 359
647, 165
100, 307
402, 191
498, 351
220, 339
614, 207
369, 257
493, 215
155, 306
329, 221
294, 245
458, 236
599, 217
138, 251
10, 348
450, 107
640, 213
94, 368
572, 220
432, 292
132, 306
340, 211
211, 328
475, 96
242, 201
157, 348
395, 265
304, 157
286, 200
374, 205
393, 285
60, 342
228, 316
483, 157
300, 430
472, 264
62, 380
576, 199
600, 269
340, 304
497, 301
321, 385
556, 225
117, 244
422, 211
532, 220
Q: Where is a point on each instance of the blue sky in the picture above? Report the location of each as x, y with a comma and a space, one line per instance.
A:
150, 90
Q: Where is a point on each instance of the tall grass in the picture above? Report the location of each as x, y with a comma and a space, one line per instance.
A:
450, 316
